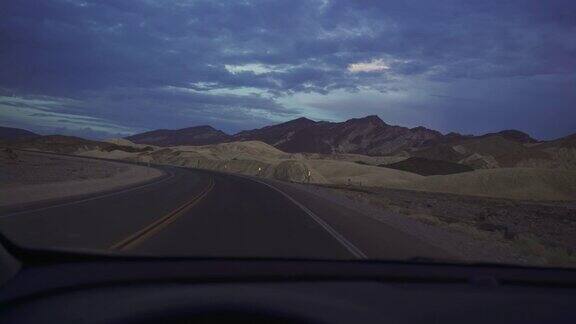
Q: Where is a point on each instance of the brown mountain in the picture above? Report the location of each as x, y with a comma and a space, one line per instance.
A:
372, 136
276, 135
558, 153
369, 135
563, 142
504, 149
198, 135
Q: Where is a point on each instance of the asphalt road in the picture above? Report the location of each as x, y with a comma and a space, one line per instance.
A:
207, 214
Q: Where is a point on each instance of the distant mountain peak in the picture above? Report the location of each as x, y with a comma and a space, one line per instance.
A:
300, 121
374, 119
200, 127
419, 128
196, 135
365, 135
303, 119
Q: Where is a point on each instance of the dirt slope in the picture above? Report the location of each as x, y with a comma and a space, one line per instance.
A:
516, 183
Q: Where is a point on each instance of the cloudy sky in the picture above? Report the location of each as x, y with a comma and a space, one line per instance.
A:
106, 68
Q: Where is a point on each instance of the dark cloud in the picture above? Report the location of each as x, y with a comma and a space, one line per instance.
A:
151, 64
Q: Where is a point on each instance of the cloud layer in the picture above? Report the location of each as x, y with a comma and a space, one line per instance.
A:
469, 66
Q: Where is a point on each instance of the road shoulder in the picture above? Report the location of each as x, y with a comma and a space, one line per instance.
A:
25, 183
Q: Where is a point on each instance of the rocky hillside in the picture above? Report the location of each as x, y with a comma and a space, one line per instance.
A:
559, 153
198, 135
369, 135
540, 178
500, 150
512, 135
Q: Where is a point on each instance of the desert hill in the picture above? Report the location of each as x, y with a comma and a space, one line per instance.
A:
10, 133
198, 135
259, 159
371, 136
280, 135
263, 160
68, 145
514, 183
497, 151
512, 135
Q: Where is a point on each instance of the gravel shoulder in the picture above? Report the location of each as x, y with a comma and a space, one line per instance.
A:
29, 177
476, 229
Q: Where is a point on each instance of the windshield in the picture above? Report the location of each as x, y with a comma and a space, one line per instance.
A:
302, 129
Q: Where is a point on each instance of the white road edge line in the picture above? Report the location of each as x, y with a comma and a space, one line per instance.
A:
347, 244
171, 175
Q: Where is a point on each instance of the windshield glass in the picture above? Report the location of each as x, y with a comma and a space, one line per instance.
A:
305, 129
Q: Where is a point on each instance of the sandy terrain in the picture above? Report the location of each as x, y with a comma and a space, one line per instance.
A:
115, 154
358, 158
34, 177
475, 228
260, 159
512, 215
125, 142
342, 172
257, 158
515, 183
524, 224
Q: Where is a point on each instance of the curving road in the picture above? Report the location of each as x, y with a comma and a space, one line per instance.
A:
207, 214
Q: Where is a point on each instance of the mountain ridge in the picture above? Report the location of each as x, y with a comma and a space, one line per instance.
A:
195, 135
368, 135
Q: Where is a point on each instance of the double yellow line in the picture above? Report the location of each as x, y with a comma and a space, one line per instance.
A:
150, 230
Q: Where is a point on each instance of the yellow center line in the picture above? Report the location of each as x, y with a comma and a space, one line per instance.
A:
150, 230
